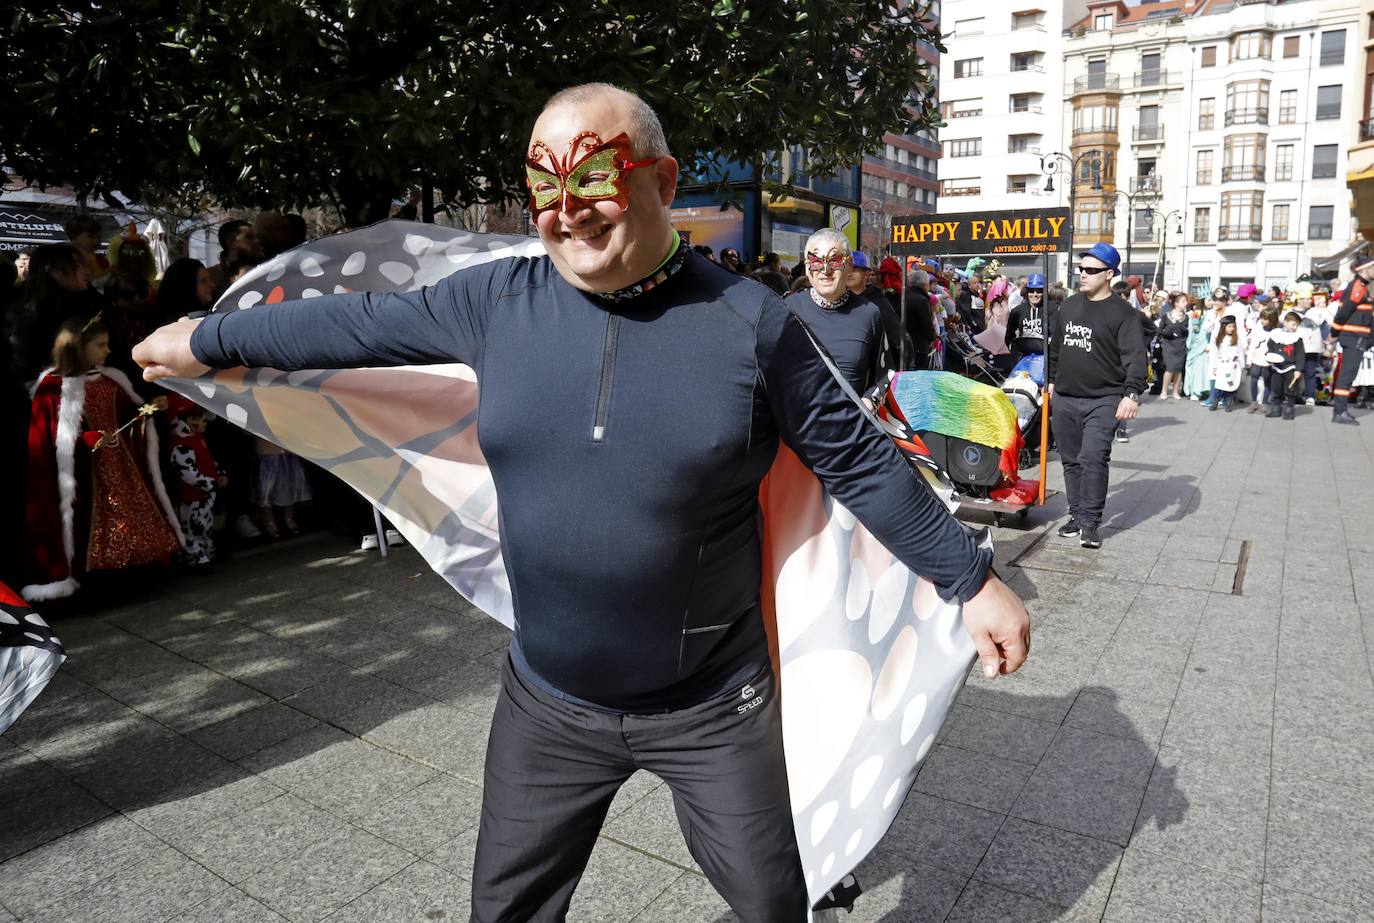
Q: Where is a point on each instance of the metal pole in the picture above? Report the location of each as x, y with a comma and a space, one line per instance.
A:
1130, 223
902, 296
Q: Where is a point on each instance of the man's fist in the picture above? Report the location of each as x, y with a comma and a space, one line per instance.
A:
167, 353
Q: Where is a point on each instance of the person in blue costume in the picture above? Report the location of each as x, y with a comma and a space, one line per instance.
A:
628, 524
1195, 382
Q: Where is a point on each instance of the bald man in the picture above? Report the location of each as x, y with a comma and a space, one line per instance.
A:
663, 384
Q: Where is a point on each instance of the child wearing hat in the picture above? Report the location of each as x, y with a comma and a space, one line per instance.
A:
198, 477
1286, 358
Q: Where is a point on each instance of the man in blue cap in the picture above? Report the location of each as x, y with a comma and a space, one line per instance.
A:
1027, 322
1097, 366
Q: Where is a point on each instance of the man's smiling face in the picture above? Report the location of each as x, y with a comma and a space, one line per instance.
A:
600, 245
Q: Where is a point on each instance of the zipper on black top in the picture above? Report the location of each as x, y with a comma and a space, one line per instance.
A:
603, 392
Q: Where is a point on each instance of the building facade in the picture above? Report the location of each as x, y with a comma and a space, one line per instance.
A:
1360, 163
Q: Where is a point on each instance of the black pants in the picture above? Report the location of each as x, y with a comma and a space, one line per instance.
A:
1083, 428
1351, 357
1285, 387
553, 767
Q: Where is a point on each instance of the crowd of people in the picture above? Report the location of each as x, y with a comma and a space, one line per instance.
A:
116, 473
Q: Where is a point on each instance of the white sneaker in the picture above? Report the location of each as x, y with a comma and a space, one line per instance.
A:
244, 528
393, 538
369, 542
1193, 397
1311, 402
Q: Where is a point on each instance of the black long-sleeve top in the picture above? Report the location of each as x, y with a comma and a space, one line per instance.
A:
1097, 348
627, 441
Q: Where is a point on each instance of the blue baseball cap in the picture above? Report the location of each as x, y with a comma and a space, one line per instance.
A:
860, 259
1106, 253
1037, 281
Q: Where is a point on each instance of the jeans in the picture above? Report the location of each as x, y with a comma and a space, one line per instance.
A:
1311, 371
1221, 397
1083, 428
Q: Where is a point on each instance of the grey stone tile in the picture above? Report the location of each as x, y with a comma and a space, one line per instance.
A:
1080, 803
982, 902
1216, 821
341, 696
1230, 552
972, 778
326, 874
1311, 821
419, 893
146, 771
451, 739
939, 834
651, 826
1061, 868
37, 819
229, 905
282, 678
1104, 757
458, 854
1323, 738
690, 899
619, 883
274, 832
1150, 887
426, 817
375, 776
995, 733
1284, 906
162, 884
297, 760
1145, 682
40, 877
22, 773
1185, 571
253, 730
639, 785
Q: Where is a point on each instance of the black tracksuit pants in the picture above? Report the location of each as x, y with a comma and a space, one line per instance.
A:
553, 767
1083, 429
1351, 357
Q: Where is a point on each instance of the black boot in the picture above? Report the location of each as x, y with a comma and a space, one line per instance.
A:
1288, 412
1345, 417
1274, 411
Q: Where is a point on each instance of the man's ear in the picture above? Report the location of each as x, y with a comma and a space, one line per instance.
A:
665, 172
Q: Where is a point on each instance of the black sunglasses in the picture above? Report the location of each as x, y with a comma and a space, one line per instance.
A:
1092, 271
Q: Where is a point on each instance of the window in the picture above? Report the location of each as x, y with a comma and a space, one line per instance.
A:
1102, 22
1150, 74
1019, 183
962, 108
1021, 144
964, 27
1094, 171
1279, 229
1242, 214
1247, 102
1209, 56
1094, 118
1247, 45
1329, 101
1089, 220
960, 187
1202, 225
1319, 220
1323, 161
1283, 162
1333, 47
1288, 107
1143, 226
1029, 19
1023, 102
1207, 113
1244, 159
965, 147
1292, 45
1026, 61
1204, 168
969, 67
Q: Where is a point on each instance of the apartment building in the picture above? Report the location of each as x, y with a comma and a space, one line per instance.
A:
1206, 136
1359, 176
1001, 100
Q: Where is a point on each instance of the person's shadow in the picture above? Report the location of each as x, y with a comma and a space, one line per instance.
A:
1140, 499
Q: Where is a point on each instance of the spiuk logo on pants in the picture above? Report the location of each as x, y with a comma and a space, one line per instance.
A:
753, 700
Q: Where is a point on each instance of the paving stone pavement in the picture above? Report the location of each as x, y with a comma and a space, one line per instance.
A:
300, 736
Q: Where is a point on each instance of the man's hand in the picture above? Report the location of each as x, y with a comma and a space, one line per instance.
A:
1126, 410
997, 621
167, 353
1049, 389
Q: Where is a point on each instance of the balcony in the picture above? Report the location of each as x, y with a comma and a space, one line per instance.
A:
1367, 130
1097, 83
1240, 233
1096, 130
1157, 78
1017, 68
1013, 148
1250, 173
1144, 236
1147, 133
1146, 185
961, 190
1247, 117
1037, 110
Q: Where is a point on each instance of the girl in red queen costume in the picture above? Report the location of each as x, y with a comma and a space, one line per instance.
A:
96, 501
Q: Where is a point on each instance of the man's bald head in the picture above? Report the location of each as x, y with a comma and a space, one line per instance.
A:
643, 126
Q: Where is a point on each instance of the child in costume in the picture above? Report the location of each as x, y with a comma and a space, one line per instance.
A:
197, 478
1287, 358
1224, 365
95, 500
1258, 354
1195, 364
280, 484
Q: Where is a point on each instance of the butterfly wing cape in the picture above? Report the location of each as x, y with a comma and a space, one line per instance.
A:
29, 656
870, 658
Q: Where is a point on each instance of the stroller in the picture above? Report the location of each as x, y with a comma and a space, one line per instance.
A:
1025, 388
966, 357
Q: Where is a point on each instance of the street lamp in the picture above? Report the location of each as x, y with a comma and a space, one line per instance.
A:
1053, 163
1130, 198
1164, 240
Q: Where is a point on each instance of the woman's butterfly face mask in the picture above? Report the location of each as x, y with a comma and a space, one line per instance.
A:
591, 171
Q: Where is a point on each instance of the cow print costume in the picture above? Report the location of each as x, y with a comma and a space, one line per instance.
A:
197, 476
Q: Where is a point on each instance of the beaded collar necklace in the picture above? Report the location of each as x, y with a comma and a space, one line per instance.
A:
829, 305
676, 259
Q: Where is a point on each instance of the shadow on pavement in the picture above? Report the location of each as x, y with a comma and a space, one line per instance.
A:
1138, 500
